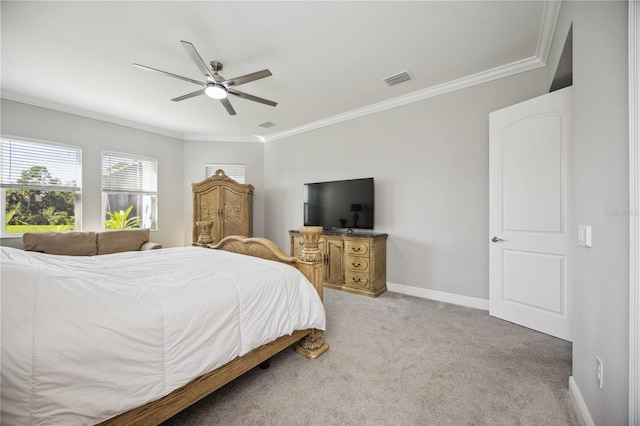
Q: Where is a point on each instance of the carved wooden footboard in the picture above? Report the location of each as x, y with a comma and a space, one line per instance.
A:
310, 343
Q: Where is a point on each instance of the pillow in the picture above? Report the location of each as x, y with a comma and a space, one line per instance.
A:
65, 243
121, 240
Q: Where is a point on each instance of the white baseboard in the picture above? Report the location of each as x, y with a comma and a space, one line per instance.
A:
440, 296
579, 404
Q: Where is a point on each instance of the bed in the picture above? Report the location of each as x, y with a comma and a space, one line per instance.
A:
135, 337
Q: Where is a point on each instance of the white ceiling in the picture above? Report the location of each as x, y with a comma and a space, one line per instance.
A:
328, 59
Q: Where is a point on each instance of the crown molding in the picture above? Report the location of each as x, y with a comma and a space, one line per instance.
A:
126, 123
547, 29
88, 114
450, 86
209, 138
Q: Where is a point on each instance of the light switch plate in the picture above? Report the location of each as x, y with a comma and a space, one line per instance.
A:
584, 235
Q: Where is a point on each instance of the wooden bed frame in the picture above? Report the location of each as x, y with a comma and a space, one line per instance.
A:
310, 343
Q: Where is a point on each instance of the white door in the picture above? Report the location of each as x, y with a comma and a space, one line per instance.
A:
528, 243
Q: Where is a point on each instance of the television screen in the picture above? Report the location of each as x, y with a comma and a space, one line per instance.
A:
339, 204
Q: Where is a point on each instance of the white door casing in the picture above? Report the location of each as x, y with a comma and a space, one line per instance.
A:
528, 169
634, 216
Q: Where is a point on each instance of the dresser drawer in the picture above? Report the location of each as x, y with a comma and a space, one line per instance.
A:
356, 248
357, 263
356, 279
352, 262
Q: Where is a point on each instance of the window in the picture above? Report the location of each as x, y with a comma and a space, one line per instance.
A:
40, 186
129, 191
234, 171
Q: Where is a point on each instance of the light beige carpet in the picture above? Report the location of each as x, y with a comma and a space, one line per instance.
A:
401, 360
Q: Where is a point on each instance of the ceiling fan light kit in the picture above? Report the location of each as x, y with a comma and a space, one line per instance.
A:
216, 86
215, 91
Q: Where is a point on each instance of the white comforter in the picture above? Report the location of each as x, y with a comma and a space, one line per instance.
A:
87, 338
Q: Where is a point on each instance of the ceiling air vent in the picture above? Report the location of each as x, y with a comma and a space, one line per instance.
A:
266, 124
398, 78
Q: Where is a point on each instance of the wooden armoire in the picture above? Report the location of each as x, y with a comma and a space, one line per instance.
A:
221, 207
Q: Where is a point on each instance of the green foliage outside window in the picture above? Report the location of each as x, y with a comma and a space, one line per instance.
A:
37, 210
121, 220
33, 210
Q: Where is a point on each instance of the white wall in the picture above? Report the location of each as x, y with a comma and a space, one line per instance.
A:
199, 153
94, 136
600, 186
430, 163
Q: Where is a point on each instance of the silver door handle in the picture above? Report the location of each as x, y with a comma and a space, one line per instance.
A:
496, 239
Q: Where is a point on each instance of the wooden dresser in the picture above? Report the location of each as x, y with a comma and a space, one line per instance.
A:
353, 262
221, 207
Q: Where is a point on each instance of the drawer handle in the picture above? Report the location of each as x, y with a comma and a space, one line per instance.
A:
355, 248
356, 280
301, 243
356, 266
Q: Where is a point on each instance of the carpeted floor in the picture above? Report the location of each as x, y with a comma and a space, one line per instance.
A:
401, 360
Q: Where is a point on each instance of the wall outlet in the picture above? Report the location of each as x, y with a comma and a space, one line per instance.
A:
599, 371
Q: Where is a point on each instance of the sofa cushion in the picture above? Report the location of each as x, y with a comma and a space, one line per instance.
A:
64, 243
121, 240
150, 246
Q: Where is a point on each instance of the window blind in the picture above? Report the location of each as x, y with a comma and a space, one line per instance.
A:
128, 173
39, 166
234, 171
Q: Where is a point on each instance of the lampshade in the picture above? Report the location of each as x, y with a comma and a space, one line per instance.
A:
216, 91
356, 207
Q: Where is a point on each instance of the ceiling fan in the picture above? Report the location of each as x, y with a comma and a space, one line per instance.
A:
216, 86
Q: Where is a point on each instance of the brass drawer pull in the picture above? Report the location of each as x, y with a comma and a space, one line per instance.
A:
356, 280
301, 243
355, 248
356, 265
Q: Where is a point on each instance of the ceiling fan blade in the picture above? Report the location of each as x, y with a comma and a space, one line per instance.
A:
246, 78
198, 60
188, 95
251, 97
228, 106
170, 75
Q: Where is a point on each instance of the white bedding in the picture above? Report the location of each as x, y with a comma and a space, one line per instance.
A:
87, 338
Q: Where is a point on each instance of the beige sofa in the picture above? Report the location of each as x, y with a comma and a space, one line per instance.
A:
89, 243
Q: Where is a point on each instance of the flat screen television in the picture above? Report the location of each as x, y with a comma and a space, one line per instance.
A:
339, 204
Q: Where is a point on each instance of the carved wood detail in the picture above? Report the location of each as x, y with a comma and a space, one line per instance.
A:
226, 203
353, 262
